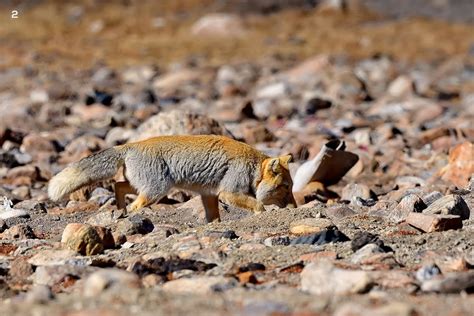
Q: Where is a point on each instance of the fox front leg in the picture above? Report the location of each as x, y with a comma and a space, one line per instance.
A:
242, 201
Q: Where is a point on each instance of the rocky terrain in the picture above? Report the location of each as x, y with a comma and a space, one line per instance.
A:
395, 236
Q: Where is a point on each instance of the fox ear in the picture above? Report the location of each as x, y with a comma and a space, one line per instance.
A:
285, 160
273, 165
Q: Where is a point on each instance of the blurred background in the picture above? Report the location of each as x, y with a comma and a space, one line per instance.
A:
81, 34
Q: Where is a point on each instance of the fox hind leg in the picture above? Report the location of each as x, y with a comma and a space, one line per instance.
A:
211, 205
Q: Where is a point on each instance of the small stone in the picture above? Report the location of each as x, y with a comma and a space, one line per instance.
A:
273, 91
365, 252
321, 238
220, 25
339, 212
402, 86
39, 294
20, 269
319, 255
86, 239
310, 226
431, 197
363, 238
14, 213
432, 223
450, 205
410, 203
199, 285
461, 165
110, 280
136, 224
454, 282
388, 309
324, 279
353, 190
277, 241
20, 231
49, 257
427, 272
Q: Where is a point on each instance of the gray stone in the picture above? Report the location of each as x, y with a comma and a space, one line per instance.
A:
365, 252
450, 205
410, 203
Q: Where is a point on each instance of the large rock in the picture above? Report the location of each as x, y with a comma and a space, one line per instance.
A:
324, 279
179, 123
449, 205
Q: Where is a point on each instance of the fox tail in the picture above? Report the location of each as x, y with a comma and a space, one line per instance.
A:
100, 166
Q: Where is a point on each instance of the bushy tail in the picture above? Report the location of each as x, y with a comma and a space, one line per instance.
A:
100, 166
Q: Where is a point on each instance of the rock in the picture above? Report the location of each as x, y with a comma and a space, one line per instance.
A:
354, 190
35, 143
316, 104
310, 226
388, 309
461, 165
21, 269
179, 123
273, 91
135, 224
221, 25
449, 205
39, 294
101, 196
427, 272
454, 282
402, 86
363, 238
110, 280
431, 197
431, 223
256, 133
277, 241
50, 257
199, 285
326, 280
85, 239
20, 231
339, 212
321, 238
365, 252
14, 213
410, 203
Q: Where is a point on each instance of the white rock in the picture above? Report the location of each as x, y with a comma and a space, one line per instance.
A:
199, 285
109, 279
324, 279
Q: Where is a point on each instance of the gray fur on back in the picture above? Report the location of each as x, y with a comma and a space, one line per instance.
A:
205, 168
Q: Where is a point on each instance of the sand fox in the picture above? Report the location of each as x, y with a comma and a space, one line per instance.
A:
216, 167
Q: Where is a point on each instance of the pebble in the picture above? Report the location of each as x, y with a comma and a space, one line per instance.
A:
110, 280
449, 205
453, 282
200, 285
86, 239
326, 280
310, 226
321, 238
432, 222
135, 224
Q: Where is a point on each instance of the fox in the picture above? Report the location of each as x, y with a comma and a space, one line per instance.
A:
216, 167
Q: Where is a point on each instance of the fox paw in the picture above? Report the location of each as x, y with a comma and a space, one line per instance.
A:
259, 208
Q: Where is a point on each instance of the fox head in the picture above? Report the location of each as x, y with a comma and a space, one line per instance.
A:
275, 183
